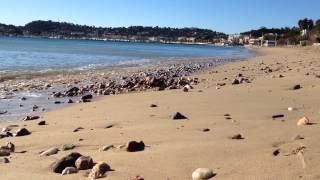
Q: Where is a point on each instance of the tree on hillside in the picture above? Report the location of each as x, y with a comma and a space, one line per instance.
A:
305, 24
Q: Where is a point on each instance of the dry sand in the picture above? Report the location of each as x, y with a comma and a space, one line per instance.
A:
176, 148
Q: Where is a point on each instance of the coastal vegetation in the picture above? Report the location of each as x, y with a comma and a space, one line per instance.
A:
132, 33
306, 30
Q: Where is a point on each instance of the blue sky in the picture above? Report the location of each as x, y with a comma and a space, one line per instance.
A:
227, 16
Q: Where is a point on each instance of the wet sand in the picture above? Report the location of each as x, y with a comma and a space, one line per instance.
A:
175, 148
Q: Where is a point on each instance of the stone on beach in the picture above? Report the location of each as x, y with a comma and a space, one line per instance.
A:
303, 121
84, 163
134, 146
237, 136
67, 147
106, 148
4, 160
296, 87
42, 123
8, 147
136, 178
99, 170
297, 137
178, 116
22, 132
67, 161
69, 170
5, 152
153, 105
50, 151
86, 97
202, 174
29, 118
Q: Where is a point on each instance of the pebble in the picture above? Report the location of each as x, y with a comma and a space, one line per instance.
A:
153, 105
106, 148
297, 137
277, 116
303, 121
69, 170
4, 160
86, 97
202, 174
41, 123
50, 152
237, 136
133, 146
67, 161
136, 178
99, 170
29, 118
67, 147
84, 163
205, 129
78, 129
22, 132
290, 108
296, 87
4, 152
178, 116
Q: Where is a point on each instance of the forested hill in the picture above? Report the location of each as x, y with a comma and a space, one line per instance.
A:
69, 30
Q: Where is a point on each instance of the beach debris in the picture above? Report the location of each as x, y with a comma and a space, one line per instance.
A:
29, 118
50, 151
303, 121
69, 170
41, 123
99, 170
67, 161
202, 174
226, 115
297, 137
296, 87
153, 105
22, 132
237, 136
78, 129
136, 178
106, 148
133, 146
84, 163
178, 116
67, 147
277, 116
4, 160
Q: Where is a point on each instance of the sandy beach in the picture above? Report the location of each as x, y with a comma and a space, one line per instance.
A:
269, 149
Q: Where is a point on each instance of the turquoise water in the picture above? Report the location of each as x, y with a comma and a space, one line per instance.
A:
17, 53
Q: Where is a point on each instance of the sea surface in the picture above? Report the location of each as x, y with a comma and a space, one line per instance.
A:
30, 55
43, 54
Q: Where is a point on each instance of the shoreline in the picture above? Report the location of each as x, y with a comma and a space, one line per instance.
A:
218, 108
47, 90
